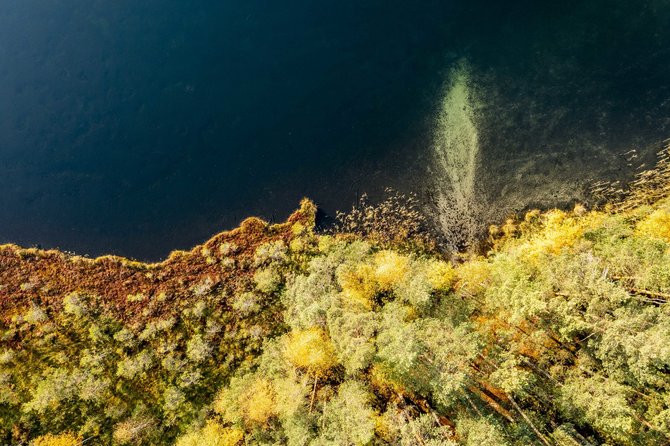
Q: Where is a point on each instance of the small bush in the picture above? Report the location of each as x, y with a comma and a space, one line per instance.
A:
656, 224
310, 350
213, 434
390, 269
258, 402
65, 439
133, 430
267, 280
440, 275
359, 284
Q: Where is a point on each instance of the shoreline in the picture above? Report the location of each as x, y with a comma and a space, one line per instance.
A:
31, 274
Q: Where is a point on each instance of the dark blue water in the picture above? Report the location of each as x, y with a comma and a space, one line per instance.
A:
138, 127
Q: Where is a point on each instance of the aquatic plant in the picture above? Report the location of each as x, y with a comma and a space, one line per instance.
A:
396, 221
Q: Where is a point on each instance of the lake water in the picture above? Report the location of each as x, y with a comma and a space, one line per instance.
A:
138, 127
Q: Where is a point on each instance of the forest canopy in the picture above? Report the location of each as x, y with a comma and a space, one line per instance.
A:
276, 334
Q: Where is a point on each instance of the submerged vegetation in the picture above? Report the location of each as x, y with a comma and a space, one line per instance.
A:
456, 160
275, 334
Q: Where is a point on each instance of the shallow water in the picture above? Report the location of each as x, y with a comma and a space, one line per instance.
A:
141, 127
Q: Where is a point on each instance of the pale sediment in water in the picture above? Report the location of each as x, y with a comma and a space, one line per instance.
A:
456, 159
494, 154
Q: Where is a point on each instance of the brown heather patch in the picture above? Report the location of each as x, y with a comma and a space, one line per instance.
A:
44, 277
